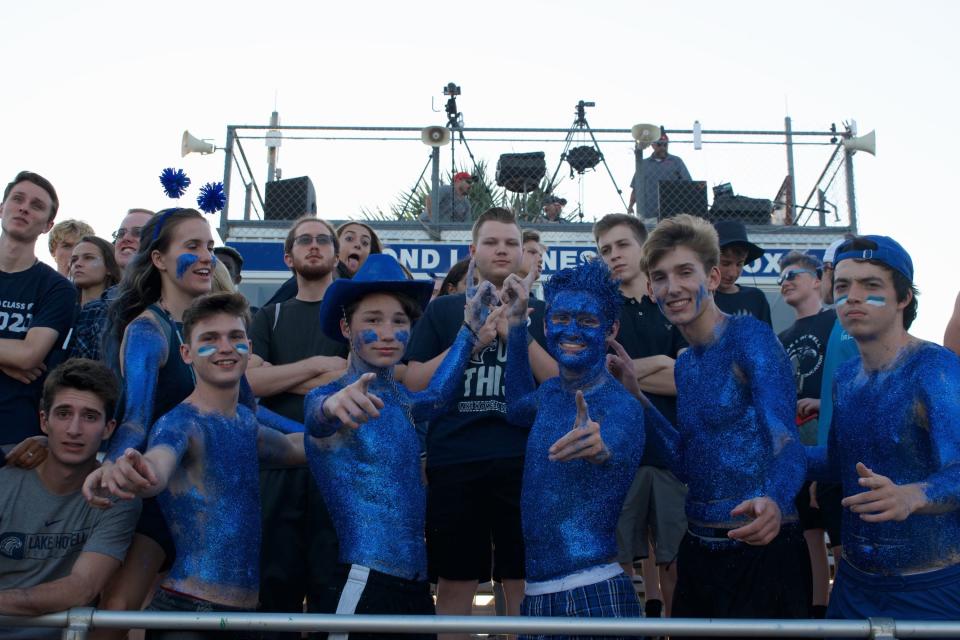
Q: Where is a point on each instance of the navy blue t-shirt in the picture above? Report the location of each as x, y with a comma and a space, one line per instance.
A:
645, 332
36, 297
475, 427
748, 301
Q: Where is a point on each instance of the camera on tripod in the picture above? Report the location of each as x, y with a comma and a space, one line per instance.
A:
452, 89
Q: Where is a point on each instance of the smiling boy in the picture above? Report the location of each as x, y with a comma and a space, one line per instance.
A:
743, 555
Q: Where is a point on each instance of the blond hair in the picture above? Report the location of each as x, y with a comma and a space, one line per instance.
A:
683, 230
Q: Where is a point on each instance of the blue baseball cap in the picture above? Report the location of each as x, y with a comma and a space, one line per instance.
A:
885, 250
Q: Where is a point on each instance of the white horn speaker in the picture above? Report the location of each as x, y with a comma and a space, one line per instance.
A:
189, 144
645, 134
435, 136
866, 143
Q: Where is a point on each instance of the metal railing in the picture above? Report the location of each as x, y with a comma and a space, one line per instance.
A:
76, 623
802, 177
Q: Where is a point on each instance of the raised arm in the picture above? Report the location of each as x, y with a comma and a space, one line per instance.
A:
432, 401
520, 386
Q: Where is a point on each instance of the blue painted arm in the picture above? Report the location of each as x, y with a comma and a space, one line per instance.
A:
940, 393
432, 402
521, 389
144, 350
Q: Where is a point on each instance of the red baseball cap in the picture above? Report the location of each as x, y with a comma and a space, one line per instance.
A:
463, 175
663, 139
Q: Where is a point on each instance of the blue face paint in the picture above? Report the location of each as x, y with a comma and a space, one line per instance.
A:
877, 301
184, 262
368, 336
702, 294
402, 337
574, 306
841, 300
242, 348
206, 350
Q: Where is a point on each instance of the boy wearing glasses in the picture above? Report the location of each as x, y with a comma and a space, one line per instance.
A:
287, 335
806, 343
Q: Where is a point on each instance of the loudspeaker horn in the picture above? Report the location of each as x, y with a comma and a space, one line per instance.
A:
189, 144
866, 143
435, 136
645, 134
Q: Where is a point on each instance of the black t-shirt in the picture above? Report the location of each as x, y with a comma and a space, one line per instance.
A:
475, 427
806, 344
36, 297
748, 301
293, 336
644, 332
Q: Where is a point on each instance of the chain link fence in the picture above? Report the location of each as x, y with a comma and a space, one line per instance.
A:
574, 174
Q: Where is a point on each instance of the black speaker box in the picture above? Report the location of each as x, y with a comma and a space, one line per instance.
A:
683, 196
521, 172
289, 199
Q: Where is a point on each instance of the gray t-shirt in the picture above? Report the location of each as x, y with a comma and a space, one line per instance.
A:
42, 534
451, 208
654, 172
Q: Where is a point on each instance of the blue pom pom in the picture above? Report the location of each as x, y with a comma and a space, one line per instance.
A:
211, 198
174, 181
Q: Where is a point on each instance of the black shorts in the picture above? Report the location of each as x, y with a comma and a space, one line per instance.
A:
721, 578
152, 524
473, 509
384, 594
828, 515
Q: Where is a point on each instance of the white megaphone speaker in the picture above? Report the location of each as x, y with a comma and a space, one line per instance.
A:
189, 144
866, 143
645, 134
435, 136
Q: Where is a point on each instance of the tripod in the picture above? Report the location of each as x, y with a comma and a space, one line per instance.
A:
455, 124
580, 124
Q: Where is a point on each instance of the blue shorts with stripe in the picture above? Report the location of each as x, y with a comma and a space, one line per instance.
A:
611, 598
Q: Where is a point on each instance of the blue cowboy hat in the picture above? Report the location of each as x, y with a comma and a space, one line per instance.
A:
380, 273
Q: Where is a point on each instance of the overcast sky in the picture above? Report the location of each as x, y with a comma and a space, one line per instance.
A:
97, 94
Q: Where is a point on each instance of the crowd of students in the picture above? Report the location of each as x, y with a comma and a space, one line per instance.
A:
643, 410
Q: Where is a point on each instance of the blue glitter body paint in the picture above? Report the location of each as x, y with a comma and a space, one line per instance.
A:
184, 262
368, 336
577, 307
212, 504
570, 509
903, 422
144, 349
370, 477
403, 337
876, 301
206, 350
736, 401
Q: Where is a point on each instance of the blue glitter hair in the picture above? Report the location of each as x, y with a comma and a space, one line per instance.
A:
591, 277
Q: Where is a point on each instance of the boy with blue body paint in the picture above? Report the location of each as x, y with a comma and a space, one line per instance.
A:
198, 463
363, 451
739, 452
574, 481
894, 443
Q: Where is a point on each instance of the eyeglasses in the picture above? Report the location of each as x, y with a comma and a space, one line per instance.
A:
120, 233
790, 276
306, 240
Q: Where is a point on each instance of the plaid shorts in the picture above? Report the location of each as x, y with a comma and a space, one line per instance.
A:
611, 598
